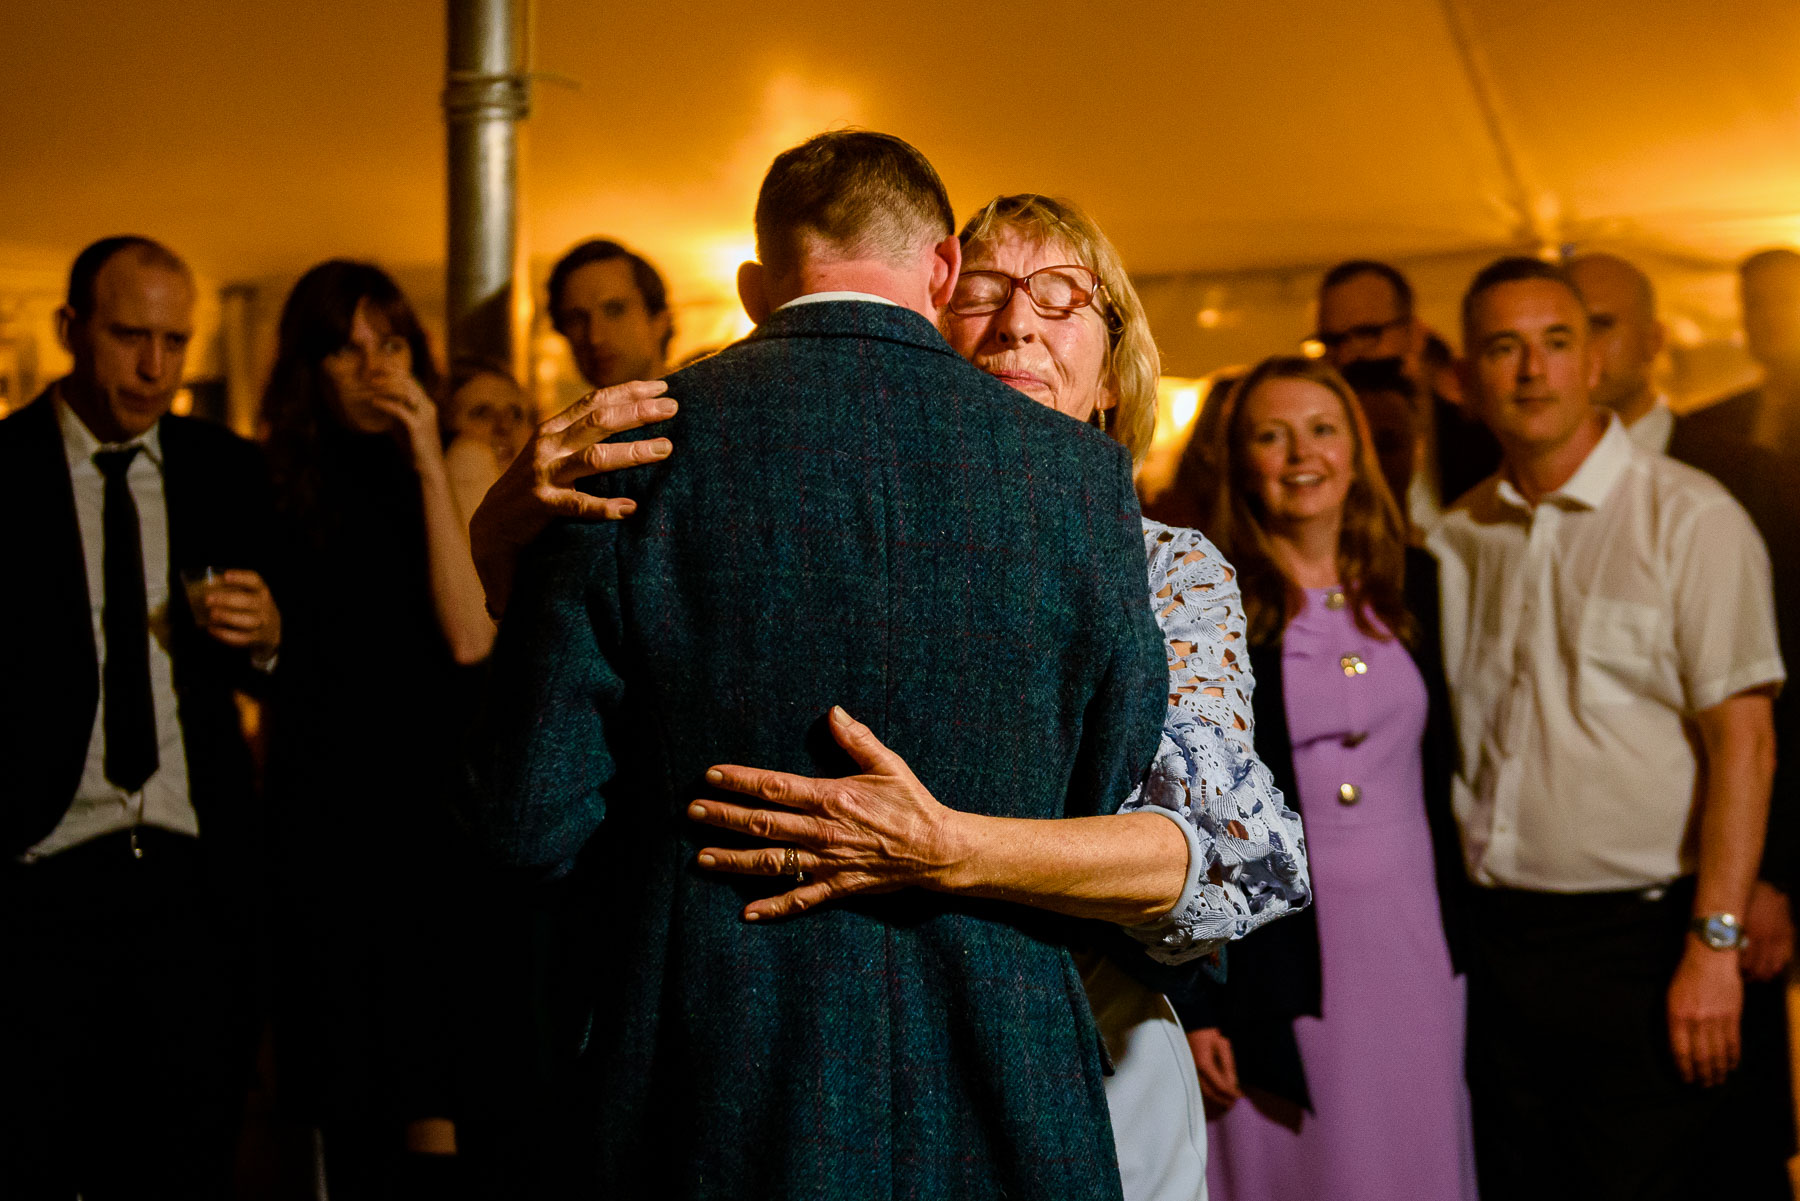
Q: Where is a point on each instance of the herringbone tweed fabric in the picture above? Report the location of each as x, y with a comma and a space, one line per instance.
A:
852, 515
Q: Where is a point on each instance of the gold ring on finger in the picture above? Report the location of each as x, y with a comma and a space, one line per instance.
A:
790, 863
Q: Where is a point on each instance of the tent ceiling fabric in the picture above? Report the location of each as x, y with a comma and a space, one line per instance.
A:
1227, 135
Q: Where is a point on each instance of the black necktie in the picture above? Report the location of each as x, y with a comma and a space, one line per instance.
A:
130, 718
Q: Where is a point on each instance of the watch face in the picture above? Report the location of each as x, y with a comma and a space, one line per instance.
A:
1720, 932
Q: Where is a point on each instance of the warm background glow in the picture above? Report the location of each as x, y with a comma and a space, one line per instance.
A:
1232, 149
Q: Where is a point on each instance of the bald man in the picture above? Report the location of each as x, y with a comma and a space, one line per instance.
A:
1627, 337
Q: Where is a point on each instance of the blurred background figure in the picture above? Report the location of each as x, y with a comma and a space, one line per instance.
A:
1187, 500
128, 849
1627, 338
1363, 1098
385, 619
1389, 401
1758, 1117
1366, 312
1769, 414
485, 422
612, 308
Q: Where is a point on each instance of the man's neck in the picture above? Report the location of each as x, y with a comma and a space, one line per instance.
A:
874, 278
1538, 471
1637, 406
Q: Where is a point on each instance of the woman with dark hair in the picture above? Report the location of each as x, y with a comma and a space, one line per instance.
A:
1332, 1054
384, 615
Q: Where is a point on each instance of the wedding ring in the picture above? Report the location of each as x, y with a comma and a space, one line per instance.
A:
790, 863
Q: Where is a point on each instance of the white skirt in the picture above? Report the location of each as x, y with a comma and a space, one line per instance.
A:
1159, 1122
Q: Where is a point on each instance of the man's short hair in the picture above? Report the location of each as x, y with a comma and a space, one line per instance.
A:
1762, 260
870, 194
1511, 269
86, 271
1344, 272
649, 282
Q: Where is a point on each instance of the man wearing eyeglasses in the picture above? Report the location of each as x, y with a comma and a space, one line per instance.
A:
1366, 313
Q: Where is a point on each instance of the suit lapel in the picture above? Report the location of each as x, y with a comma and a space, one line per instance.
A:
50, 536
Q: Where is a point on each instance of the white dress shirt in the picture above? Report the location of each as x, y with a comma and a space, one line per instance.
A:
822, 297
101, 807
1653, 430
1580, 638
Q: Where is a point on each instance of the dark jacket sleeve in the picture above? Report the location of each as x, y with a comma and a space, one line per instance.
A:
543, 760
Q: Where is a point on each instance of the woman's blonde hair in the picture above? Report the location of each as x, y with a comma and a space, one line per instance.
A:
1131, 364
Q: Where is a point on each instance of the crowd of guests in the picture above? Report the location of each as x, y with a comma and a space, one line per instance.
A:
1455, 871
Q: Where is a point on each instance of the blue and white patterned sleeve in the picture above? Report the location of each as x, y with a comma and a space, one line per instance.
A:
1246, 850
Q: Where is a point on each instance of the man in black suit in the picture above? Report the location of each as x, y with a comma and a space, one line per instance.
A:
1767, 415
1366, 313
1758, 1116
126, 831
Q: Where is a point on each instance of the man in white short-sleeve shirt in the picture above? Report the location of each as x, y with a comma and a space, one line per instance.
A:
1609, 637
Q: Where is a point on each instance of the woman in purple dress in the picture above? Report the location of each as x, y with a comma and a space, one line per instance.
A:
1333, 1053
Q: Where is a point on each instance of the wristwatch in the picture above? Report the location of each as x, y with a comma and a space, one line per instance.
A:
1720, 931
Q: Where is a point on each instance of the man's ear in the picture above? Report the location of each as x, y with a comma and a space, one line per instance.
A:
66, 324
1659, 338
946, 265
752, 281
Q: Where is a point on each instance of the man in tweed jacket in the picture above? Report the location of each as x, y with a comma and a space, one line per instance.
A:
855, 517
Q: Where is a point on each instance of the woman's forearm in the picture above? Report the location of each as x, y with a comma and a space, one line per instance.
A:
456, 592
1126, 868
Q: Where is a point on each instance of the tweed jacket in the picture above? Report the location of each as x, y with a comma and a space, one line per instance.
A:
853, 516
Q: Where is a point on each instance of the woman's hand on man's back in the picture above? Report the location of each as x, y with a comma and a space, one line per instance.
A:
539, 486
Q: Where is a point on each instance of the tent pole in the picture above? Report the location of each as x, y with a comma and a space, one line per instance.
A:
1534, 210
485, 94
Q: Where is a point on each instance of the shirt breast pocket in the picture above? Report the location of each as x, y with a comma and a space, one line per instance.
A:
1620, 646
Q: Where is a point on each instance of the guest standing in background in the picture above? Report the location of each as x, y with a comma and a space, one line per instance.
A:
1366, 312
612, 308
1333, 1050
1758, 1116
128, 848
1609, 638
385, 620
486, 419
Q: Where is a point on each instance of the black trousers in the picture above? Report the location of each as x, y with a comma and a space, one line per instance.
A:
126, 1025
1571, 1075
1757, 1116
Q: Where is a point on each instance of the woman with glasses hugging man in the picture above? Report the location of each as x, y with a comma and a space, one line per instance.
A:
1044, 305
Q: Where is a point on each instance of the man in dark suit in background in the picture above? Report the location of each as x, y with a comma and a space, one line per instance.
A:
1366, 313
1767, 415
1758, 1115
856, 516
126, 834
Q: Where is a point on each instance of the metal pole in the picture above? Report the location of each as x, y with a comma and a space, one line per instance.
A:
485, 93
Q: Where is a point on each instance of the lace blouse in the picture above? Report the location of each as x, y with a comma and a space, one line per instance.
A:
1246, 850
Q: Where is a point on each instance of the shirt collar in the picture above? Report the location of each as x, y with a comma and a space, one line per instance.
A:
821, 297
1588, 487
80, 444
1652, 430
